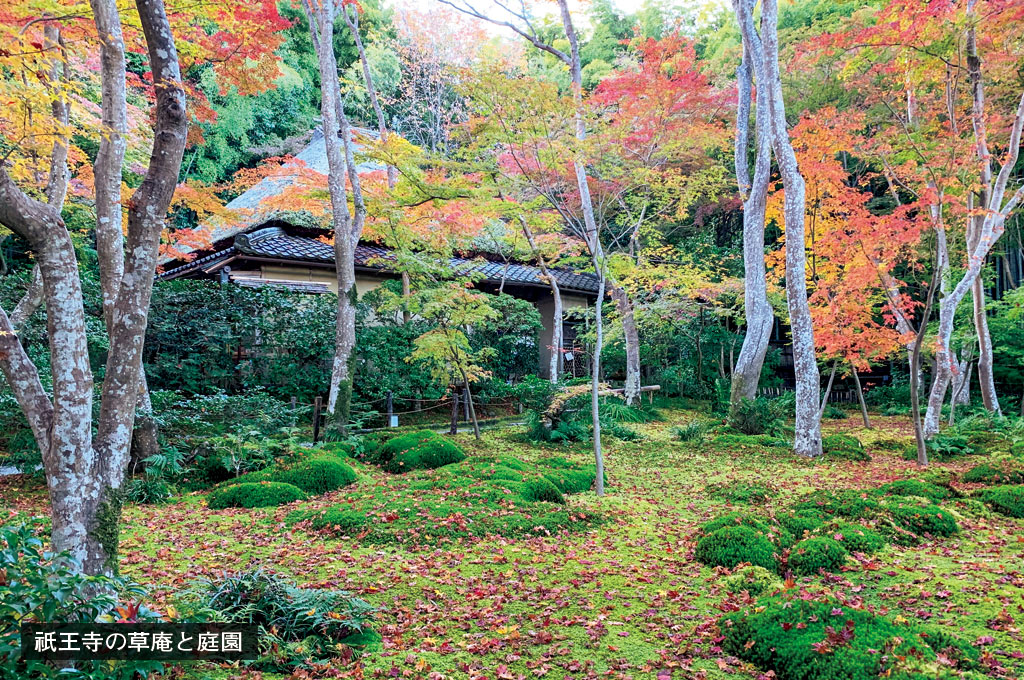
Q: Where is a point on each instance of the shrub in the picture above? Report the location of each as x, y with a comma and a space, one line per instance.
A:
754, 580
730, 546
855, 537
924, 520
844, 446
888, 444
914, 487
742, 492
849, 503
39, 586
755, 416
988, 473
693, 432
835, 413
424, 450
811, 555
1006, 500
254, 495
287, 615
1017, 449
829, 640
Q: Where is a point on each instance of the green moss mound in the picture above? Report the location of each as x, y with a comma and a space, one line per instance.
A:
849, 503
314, 476
742, 492
1006, 500
754, 580
568, 476
815, 554
424, 450
829, 640
735, 545
923, 520
541, 489
844, 447
855, 537
799, 523
989, 473
254, 495
914, 487
339, 521
339, 449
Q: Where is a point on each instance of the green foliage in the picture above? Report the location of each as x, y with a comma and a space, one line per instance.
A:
423, 450
148, 491
817, 553
943, 447
743, 492
855, 537
315, 476
849, 503
298, 626
995, 473
843, 446
755, 416
895, 394
155, 486
834, 413
828, 640
36, 585
196, 329
733, 545
254, 495
695, 431
914, 487
1006, 500
930, 520
754, 580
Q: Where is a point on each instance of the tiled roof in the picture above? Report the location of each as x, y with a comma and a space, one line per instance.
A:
276, 243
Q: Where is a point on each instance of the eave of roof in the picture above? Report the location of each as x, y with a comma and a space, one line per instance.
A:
274, 244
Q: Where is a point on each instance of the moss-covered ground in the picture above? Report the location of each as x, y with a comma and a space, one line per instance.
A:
621, 598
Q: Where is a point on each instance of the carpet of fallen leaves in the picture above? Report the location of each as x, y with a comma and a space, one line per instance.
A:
624, 600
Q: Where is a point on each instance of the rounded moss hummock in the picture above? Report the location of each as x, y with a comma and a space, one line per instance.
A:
254, 495
423, 450
733, 545
811, 555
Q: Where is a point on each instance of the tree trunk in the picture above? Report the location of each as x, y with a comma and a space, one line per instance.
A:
828, 389
758, 313
765, 57
591, 235
555, 365
632, 340
468, 395
860, 398
346, 235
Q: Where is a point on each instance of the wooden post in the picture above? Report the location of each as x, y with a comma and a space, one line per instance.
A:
465, 405
316, 419
391, 408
